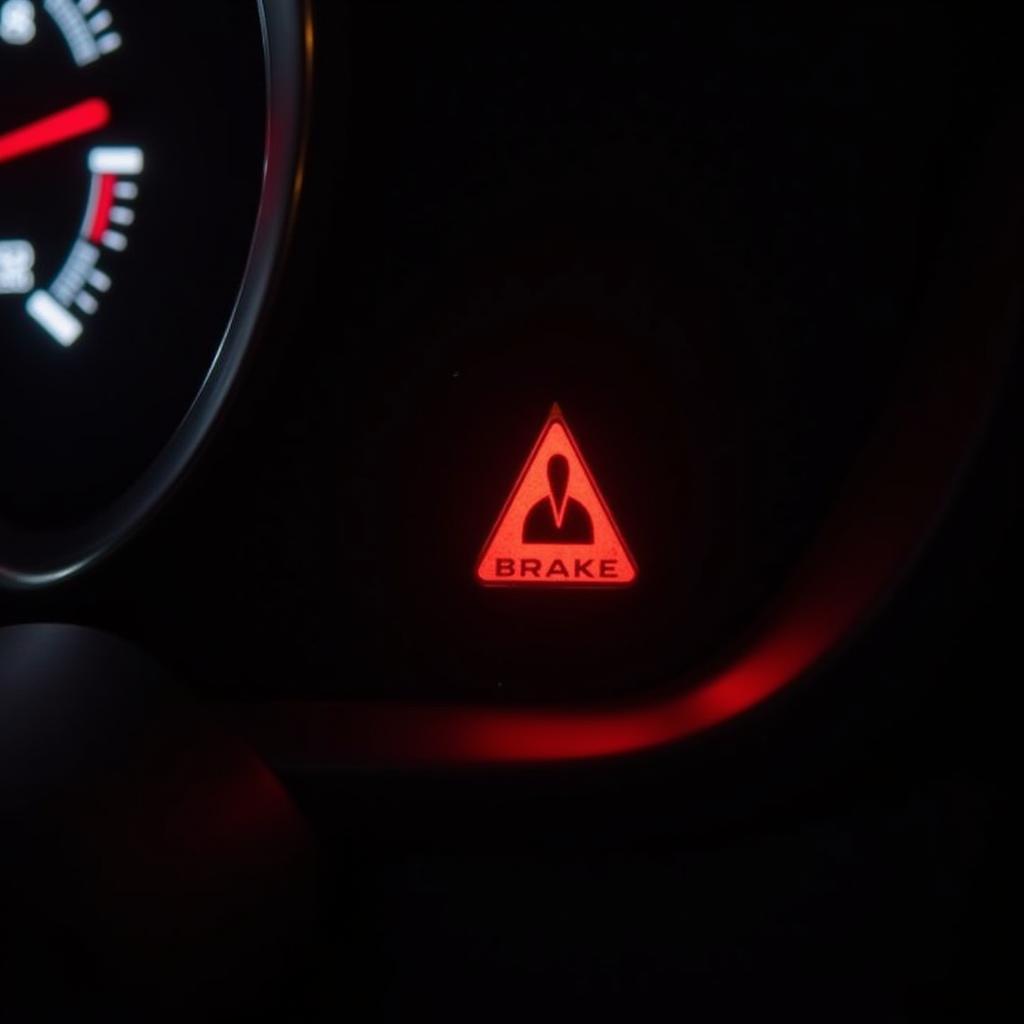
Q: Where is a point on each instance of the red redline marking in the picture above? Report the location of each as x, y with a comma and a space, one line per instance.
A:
104, 203
81, 119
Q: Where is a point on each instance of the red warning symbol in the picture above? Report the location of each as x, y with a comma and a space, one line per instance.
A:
556, 529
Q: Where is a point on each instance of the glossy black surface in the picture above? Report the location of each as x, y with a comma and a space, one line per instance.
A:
152, 851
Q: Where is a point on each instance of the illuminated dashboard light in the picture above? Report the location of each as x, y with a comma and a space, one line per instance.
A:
556, 528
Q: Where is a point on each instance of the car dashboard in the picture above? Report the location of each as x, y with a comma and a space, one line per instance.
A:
506, 509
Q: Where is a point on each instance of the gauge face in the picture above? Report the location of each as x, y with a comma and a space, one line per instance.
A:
137, 226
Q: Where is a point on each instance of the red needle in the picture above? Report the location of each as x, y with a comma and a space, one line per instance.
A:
82, 118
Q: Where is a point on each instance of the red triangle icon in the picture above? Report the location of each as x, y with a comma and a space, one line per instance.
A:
555, 529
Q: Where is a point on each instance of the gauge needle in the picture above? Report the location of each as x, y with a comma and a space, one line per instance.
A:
81, 119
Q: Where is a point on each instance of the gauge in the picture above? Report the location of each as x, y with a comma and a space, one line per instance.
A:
148, 157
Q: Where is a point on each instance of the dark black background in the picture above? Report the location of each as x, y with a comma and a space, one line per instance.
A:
713, 230
706, 233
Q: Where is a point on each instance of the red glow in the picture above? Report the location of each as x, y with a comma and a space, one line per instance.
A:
888, 503
477, 734
104, 202
556, 529
81, 119
892, 500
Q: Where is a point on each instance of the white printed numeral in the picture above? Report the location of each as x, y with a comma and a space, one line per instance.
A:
17, 22
17, 263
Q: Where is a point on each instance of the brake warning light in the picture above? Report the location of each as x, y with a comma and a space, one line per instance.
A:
555, 529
